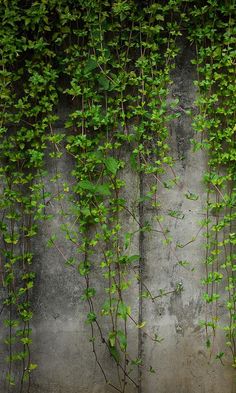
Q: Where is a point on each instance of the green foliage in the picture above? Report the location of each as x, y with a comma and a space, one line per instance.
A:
113, 64
213, 31
118, 61
27, 100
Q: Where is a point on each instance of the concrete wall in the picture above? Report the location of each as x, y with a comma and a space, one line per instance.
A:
61, 345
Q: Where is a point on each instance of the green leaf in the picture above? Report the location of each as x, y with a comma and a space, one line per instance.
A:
133, 258
32, 366
11, 323
157, 338
124, 259
111, 164
71, 261
11, 379
114, 353
208, 343
104, 82
211, 298
178, 214
123, 310
191, 196
90, 65
136, 362
134, 161
88, 293
127, 239
141, 325
220, 355
11, 239
84, 268
51, 241
122, 339
91, 317
184, 263
86, 185
151, 370
103, 189
26, 340
112, 339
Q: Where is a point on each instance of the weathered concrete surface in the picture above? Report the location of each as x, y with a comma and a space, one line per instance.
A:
181, 360
61, 345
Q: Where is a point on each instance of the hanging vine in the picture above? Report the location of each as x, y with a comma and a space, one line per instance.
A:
112, 62
118, 64
28, 96
213, 32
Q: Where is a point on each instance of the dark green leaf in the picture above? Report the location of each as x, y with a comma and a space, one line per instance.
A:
111, 164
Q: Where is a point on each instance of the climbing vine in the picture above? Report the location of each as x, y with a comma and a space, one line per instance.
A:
111, 61
213, 32
118, 64
28, 96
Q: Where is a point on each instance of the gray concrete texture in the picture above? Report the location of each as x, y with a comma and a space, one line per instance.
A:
61, 346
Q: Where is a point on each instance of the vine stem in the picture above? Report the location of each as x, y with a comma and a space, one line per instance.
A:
140, 281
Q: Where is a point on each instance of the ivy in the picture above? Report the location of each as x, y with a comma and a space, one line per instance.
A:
213, 31
118, 65
112, 63
28, 97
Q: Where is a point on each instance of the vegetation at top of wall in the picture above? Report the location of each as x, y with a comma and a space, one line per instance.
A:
111, 61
